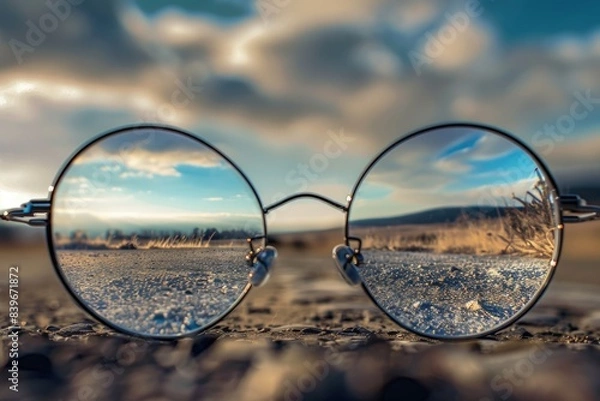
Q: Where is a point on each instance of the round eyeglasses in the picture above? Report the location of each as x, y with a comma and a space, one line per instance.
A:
454, 231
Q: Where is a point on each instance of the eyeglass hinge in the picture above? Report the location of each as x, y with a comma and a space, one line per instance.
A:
577, 210
30, 213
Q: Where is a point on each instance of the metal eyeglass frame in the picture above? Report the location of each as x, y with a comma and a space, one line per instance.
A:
37, 213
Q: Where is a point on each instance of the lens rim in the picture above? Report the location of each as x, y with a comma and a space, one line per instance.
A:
50, 235
559, 235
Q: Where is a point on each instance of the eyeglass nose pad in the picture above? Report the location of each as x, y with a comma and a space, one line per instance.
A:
346, 261
262, 264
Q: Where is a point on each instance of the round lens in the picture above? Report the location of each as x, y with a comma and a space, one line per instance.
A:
460, 231
149, 229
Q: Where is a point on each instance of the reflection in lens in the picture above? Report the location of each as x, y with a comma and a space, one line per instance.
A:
459, 229
149, 230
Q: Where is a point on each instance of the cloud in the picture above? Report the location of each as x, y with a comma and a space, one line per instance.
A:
91, 28
146, 153
412, 16
449, 165
439, 157
443, 168
142, 163
318, 67
145, 175
474, 44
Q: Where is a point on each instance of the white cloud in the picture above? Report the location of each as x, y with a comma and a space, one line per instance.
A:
469, 47
449, 165
111, 169
143, 163
140, 174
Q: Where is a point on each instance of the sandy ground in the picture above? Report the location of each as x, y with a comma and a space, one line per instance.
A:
452, 295
158, 292
306, 335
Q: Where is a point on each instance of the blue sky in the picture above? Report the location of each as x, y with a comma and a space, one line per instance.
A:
269, 89
450, 167
164, 181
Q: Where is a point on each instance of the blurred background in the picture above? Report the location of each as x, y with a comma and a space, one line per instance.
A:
300, 94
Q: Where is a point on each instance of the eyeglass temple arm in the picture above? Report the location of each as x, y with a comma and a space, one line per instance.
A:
33, 213
577, 210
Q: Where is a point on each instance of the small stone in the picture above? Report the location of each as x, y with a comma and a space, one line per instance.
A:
258, 310
76, 330
51, 328
311, 330
473, 306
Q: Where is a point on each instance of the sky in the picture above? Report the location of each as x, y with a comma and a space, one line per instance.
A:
302, 95
153, 180
448, 167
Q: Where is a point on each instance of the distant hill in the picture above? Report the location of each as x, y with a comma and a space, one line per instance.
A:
434, 216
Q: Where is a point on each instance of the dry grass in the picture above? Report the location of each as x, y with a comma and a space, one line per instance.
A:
528, 230
136, 243
471, 237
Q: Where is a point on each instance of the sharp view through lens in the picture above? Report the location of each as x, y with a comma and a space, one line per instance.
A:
468, 242
138, 252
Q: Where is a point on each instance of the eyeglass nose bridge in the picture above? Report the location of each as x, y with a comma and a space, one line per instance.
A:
306, 195
347, 259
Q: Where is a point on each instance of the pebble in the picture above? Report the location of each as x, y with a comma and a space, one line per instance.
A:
473, 306
51, 328
77, 329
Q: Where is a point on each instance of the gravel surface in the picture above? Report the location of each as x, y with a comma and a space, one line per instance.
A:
452, 295
158, 292
305, 336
